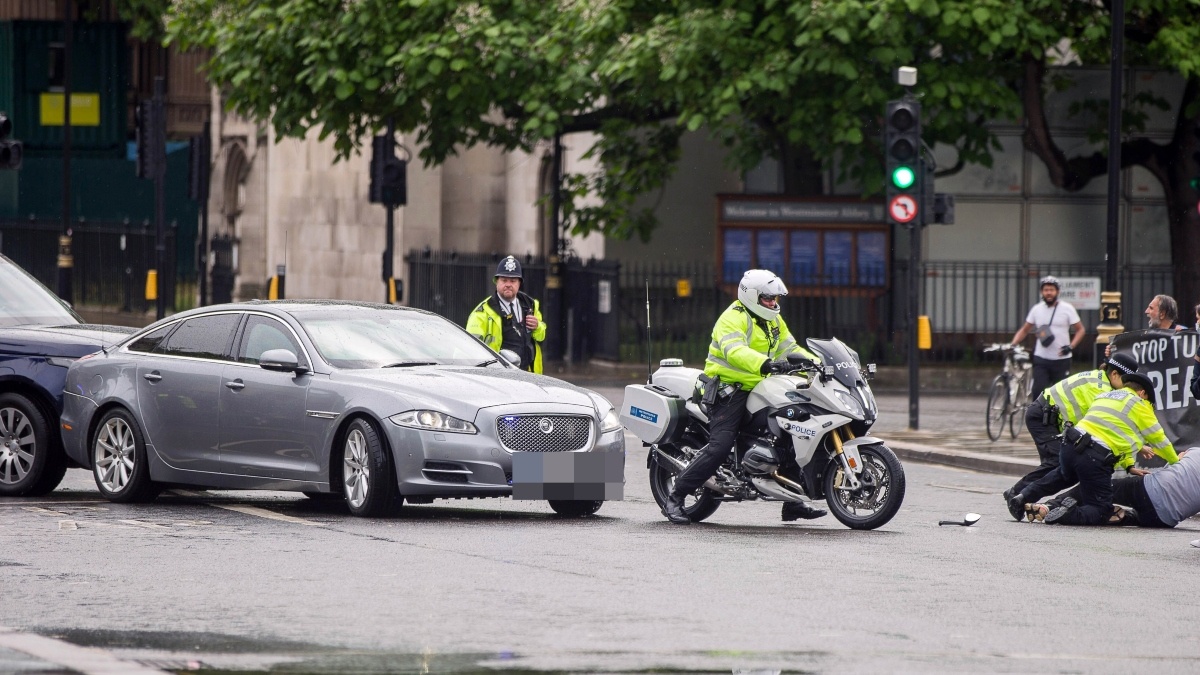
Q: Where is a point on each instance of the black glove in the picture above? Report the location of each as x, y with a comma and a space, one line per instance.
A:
769, 367
1065, 350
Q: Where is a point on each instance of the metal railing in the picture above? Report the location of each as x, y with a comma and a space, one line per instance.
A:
452, 284
111, 260
970, 304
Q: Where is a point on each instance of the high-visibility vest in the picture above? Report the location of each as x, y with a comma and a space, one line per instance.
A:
741, 343
1074, 395
1124, 422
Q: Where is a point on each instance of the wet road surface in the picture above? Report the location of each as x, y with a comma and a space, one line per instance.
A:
243, 581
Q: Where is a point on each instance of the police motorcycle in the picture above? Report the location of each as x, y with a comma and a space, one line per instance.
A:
808, 438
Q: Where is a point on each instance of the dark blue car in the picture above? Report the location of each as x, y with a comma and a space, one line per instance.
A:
40, 337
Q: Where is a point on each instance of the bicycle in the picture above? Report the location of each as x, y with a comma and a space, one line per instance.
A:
1011, 392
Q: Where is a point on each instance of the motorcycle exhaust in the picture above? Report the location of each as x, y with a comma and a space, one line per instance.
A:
775, 490
675, 465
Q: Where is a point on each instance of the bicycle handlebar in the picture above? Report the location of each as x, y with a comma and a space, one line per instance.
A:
1005, 347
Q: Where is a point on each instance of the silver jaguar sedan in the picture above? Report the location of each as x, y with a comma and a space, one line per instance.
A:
373, 403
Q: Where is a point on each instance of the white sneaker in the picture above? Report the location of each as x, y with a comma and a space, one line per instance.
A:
1196, 543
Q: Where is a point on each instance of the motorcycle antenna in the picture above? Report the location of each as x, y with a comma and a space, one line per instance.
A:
649, 360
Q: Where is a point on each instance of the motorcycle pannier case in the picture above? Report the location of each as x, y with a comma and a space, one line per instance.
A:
654, 414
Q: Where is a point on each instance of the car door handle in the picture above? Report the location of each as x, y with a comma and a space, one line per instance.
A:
152, 377
236, 385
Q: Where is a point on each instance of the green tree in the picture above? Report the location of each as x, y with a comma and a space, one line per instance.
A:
801, 81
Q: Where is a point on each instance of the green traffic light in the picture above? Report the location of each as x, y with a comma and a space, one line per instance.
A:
903, 177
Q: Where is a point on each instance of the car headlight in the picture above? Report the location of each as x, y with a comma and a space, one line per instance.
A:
433, 421
61, 361
850, 402
610, 422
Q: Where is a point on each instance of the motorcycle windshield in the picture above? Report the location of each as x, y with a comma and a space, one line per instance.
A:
834, 352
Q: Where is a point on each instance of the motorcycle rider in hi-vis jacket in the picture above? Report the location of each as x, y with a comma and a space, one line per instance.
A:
749, 342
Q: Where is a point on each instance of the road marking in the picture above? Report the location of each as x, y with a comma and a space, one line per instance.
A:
85, 660
67, 525
142, 523
264, 513
45, 512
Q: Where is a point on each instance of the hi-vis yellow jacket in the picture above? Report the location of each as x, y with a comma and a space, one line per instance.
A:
1124, 421
741, 343
1074, 395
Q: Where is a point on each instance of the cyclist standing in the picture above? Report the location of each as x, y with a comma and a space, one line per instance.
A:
1050, 321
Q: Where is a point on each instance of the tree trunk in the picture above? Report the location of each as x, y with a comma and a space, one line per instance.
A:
1171, 163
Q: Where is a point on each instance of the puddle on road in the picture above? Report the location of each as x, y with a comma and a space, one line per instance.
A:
221, 654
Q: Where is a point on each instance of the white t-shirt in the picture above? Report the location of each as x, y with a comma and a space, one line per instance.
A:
1060, 326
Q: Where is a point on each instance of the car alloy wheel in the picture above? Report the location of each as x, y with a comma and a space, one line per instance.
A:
356, 468
18, 446
119, 462
116, 454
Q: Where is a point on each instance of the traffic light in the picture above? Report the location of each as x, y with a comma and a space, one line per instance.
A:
389, 174
11, 150
905, 173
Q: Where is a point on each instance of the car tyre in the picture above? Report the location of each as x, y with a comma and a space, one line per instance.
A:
368, 481
31, 463
119, 462
569, 508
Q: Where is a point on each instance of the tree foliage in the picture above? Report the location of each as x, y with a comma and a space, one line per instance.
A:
759, 75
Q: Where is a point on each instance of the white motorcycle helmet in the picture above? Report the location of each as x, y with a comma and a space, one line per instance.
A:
757, 283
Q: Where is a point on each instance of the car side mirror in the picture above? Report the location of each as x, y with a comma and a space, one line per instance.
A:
281, 360
511, 356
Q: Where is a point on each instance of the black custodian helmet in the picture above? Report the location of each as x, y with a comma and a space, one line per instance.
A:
509, 267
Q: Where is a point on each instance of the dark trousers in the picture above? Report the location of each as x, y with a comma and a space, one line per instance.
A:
1091, 467
723, 425
1044, 430
1129, 491
1048, 371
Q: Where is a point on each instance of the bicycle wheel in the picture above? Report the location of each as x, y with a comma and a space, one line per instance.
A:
1022, 399
998, 407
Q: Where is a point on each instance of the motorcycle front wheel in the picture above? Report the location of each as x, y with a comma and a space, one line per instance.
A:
879, 497
697, 506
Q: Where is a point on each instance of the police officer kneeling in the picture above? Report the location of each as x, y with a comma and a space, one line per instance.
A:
1061, 405
1114, 428
748, 341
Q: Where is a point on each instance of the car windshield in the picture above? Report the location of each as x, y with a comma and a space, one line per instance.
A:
25, 302
379, 338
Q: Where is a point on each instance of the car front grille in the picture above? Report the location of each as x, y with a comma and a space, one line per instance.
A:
544, 433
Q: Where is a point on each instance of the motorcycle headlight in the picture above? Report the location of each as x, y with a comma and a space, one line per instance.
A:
610, 422
850, 402
433, 420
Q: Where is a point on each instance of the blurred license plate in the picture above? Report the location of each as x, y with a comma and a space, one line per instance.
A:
569, 475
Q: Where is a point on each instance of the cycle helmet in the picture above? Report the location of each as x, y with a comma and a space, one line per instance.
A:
757, 283
1051, 281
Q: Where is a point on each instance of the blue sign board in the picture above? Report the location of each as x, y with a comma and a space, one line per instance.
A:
839, 249
805, 250
872, 259
739, 251
772, 247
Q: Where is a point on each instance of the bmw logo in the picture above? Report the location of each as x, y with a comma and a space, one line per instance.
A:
791, 413
545, 425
